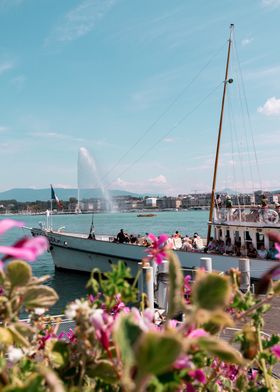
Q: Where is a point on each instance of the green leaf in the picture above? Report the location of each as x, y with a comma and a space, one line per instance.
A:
39, 297
176, 285
19, 273
126, 334
156, 352
211, 291
276, 287
105, 370
32, 384
18, 336
24, 329
58, 352
6, 337
217, 320
53, 382
221, 349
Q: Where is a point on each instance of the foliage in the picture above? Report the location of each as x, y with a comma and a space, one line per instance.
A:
115, 347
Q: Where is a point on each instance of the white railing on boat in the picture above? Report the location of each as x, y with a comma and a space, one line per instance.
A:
254, 215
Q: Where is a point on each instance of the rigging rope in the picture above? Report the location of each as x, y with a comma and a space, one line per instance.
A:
169, 107
168, 133
249, 117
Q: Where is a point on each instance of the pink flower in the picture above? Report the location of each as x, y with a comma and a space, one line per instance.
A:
277, 246
198, 375
7, 224
157, 250
276, 350
27, 249
190, 388
197, 333
182, 362
103, 324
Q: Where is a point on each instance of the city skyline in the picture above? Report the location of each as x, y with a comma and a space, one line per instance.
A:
139, 86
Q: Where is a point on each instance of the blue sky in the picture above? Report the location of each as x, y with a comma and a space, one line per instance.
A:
138, 83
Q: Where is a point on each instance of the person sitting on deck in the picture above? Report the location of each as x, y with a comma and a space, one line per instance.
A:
221, 247
212, 246
187, 244
277, 208
122, 237
272, 253
262, 252
228, 246
197, 242
177, 234
251, 251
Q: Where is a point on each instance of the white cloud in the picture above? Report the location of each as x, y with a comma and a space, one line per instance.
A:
168, 140
80, 20
246, 41
271, 107
271, 3
6, 66
158, 180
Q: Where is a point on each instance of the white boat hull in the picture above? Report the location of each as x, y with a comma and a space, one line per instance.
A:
76, 252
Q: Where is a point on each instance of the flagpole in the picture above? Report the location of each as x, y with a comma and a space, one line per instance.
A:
51, 216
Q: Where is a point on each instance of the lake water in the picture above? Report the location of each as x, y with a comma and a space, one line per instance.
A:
71, 285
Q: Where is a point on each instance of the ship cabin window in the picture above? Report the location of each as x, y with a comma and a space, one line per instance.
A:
237, 238
247, 236
260, 240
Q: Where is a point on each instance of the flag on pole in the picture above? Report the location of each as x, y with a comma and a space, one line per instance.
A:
54, 197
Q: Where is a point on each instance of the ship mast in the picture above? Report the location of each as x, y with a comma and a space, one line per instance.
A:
212, 205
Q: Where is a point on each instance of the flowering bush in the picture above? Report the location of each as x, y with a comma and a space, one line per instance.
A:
116, 347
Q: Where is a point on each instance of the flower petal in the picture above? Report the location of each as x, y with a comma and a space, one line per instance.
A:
7, 224
162, 239
29, 249
276, 350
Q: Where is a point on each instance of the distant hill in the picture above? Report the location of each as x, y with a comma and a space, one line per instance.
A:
27, 194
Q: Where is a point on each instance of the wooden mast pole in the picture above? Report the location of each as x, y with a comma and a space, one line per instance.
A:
212, 205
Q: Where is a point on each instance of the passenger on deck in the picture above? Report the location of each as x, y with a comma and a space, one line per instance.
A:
262, 252
212, 246
277, 208
264, 202
272, 253
228, 246
122, 237
187, 244
177, 234
218, 202
197, 242
221, 247
251, 251
229, 207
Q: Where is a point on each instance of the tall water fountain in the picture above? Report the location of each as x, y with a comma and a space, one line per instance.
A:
89, 178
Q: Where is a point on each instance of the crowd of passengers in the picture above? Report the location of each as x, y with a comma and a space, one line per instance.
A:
195, 244
256, 214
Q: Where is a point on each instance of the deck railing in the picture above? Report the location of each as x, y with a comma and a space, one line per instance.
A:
246, 214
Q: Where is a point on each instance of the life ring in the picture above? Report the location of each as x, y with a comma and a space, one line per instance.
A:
271, 216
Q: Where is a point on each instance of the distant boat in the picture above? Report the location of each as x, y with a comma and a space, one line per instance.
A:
146, 215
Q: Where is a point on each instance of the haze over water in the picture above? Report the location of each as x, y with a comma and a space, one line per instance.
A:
70, 285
